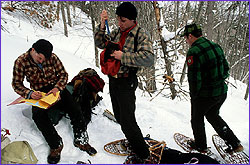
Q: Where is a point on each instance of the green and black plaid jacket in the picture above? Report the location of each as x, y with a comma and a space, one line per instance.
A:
144, 56
207, 69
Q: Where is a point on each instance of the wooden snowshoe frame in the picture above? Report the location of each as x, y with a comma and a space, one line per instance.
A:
156, 148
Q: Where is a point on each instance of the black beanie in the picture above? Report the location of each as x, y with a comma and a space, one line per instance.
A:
127, 10
43, 46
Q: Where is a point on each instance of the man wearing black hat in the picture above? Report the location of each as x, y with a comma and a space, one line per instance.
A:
207, 71
135, 52
45, 73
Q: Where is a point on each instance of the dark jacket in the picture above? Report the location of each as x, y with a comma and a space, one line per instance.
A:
207, 69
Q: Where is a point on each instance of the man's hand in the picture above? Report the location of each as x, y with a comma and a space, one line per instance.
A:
104, 16
36, 95
117, 54
54, 91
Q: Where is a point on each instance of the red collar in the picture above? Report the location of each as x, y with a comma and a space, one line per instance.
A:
124, 35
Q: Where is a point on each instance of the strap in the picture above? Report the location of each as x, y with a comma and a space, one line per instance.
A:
136, 40
133, 70
115, 35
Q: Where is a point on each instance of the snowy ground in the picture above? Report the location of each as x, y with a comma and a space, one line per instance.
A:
160, 118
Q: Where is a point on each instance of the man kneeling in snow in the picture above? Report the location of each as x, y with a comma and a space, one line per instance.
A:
45, 73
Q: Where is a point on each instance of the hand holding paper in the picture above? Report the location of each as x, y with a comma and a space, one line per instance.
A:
45, 102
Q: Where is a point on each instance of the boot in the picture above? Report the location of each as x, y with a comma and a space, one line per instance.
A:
192, 144
134, 159
81, 141
125, 145
237, 148
55, 155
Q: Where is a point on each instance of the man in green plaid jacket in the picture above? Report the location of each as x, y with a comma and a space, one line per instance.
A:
207, 71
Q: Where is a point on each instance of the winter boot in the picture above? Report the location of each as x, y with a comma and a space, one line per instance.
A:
55, 155
237, 148
125, 145
193, 146
81, 141
134, 159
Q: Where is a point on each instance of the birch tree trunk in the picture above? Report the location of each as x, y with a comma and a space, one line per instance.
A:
92, 16
68, 13
210, 20
164, 46
197, 19
64, 19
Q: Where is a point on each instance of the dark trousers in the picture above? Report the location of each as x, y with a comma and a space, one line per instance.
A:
45, 125
210, 108
122, 93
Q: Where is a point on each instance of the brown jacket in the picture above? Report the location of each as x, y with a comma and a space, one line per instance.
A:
53, 73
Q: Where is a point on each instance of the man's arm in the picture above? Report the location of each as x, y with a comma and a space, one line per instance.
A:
61, 73
194, 73
144, 56
99, 37
18, 78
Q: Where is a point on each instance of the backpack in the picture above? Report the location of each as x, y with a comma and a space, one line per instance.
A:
18, 152
93, 80
86, 86
109, 65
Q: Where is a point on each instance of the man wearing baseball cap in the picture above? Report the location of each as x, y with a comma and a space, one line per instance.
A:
207, 71
45, 73
135, 51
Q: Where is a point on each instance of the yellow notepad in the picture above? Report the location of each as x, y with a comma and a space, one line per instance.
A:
45, 102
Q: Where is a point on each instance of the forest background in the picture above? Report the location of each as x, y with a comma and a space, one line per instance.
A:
162, 108
224, 22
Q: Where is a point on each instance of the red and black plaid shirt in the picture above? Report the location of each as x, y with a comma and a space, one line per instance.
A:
52, 73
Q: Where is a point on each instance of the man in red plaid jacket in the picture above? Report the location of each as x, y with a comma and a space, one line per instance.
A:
46, 73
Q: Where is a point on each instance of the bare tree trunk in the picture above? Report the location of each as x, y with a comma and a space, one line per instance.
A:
58, 10
210, 19
183, 74
146, 15
164, 46
197, 19
64, 19
93, 29
68, 13
247, 91
185, 18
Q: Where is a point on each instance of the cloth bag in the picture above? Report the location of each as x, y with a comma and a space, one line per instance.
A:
18, 152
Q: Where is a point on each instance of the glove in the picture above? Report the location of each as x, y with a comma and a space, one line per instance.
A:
170, 79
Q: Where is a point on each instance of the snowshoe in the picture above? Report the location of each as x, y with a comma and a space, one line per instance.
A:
229, 155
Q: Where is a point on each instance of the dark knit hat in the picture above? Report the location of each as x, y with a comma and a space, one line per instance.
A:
127, 10
43, 46
191, 29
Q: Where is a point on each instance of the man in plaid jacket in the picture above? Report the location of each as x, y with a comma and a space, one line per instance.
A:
122, 86
207, 71
46, 73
